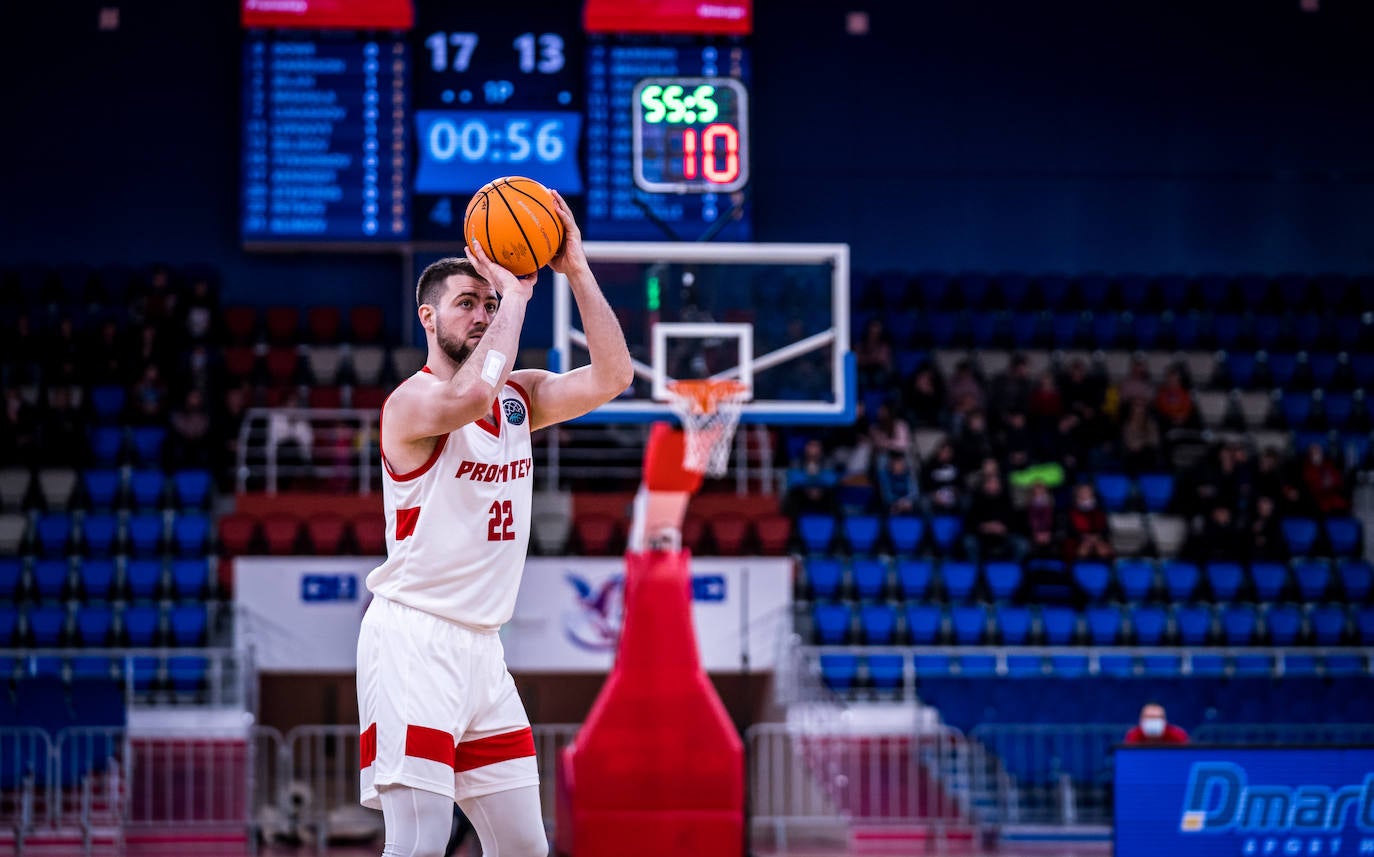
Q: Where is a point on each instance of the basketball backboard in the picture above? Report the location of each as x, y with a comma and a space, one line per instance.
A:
772, 316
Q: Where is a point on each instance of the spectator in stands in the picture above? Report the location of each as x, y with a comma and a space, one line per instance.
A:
1174, 402
940, 479
1042, 525
291, 436
155, 301
889, 434
898, 488
923, 398
1324, 482
1219, 537
61, 428
851, 446
1140, 441
972, 443
62, 352
18, 429
1274, 480
1013, 444
105, 355
1011, 390
225, 430
989, 523
1264, 533
149, 348
21, 351
1154, 728
190, 436
873, 357
1087, 526
1045, 414
1136, 387
811, 482
1083, 399
199, 312
198, 369
148, 398
965, 393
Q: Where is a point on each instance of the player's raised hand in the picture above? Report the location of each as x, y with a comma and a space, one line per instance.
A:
571, 257
500, 278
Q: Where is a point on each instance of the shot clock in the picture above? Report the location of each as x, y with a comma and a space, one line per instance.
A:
691, 135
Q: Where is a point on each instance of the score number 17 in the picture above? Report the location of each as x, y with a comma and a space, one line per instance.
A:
542, 53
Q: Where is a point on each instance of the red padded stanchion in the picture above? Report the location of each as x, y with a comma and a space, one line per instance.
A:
658, 768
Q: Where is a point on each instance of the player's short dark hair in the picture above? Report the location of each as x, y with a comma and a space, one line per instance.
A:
430, 288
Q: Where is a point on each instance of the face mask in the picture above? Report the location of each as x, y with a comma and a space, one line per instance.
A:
1152, 726
1087, 505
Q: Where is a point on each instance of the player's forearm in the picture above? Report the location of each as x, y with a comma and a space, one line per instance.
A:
610, 357
484, 373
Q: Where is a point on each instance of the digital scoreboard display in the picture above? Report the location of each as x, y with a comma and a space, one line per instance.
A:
374, 122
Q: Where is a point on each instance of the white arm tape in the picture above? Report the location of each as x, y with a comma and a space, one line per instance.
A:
491, 368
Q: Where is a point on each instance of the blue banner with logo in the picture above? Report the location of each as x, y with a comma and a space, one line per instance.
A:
1199, 801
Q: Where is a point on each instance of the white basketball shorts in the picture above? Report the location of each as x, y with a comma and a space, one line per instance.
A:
438, 708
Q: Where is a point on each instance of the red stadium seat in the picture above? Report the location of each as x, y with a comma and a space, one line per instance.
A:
324, 323
241, 322
237, 533
282, 363
369, 534
368, 397
729, 533
283, 325
325, 533
365, 323
281, 533
326, 397
774, 532
595, 532
240, 361
693, 533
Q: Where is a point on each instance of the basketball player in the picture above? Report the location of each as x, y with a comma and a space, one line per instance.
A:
441, 720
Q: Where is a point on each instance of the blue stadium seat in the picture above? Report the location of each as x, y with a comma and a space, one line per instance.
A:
1329, 623
1180, 579
147, 442
188, 624
145, 488
856, 499
102, 487
1240, 369
879, 624
144, 578
11, 576
1065, 328
923, 623
107, 402
144, 534
1344, 665
969, 623
107, 443
1160, 665
1364, 626
1283, 367
1120, 666
1156, 490
986, 329
86, 667
914, 577
50, 578
53, 532
1344, 535
832, 620
1313, 577
97, 578
189, 578
9, 624
141, 624
861, 532
187, 673
1205, 666
99, 530
48, 666
93, 624
1300, 534
817, 532
1026, 329
1013, 623
1114, 490
47, 622
1338, 409
1299, 665
1194, 624
1324, 367
1093, 578
1025, 666
1270, 579
1357, 579
885, 671
1224, 579
1145, 329
1003, 579
1058, 624
905, 532
1295, 408
1106, 329
1362, 368
1068, 666
147, 672
959, 579
191, 533
824, 576
1254, 665
1307, 331
977, 665
869, 575
1238, 624
1136, 577
1104, 624
1148, 622
945, 531
1188, 328
1283, 622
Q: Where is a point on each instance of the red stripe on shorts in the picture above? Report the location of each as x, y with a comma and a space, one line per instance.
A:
367, 746
497, 748
436, 745
406, 519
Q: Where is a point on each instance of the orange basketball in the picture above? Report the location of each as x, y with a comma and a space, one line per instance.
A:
515, 221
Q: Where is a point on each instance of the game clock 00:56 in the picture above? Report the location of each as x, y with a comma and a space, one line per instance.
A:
461, 150
691, 134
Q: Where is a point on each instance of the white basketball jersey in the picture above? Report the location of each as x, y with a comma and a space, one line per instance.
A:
458, 526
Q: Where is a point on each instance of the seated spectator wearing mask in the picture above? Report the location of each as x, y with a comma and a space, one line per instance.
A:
1154, 728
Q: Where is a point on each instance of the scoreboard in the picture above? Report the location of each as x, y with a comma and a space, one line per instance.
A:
376, 127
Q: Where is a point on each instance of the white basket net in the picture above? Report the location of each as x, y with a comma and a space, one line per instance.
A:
709, 411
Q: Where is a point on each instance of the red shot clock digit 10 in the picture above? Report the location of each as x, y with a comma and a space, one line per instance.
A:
691, 135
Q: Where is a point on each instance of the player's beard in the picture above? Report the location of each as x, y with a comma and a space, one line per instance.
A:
457, 351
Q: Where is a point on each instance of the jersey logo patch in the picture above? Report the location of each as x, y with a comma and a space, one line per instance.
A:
515, 411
